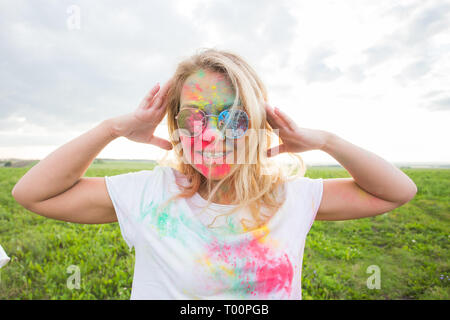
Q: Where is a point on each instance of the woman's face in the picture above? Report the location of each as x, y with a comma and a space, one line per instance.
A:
212, 93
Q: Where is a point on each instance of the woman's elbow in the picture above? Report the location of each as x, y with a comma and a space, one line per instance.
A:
20, 196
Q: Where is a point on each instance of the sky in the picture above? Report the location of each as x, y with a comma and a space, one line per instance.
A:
375, 73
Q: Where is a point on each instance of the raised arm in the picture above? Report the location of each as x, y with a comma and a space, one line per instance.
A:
55, 187
376, 186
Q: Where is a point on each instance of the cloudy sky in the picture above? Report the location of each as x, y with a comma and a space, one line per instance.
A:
376, 73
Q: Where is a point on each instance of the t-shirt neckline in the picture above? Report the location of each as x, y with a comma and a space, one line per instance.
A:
199, 199
271, 222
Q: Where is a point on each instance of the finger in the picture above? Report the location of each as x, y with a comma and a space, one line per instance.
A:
153, 92
164, 90
272, 118
160, 142
147, 101
282, 124
285, 118
272, 152
277, 123
157, 102
166, 87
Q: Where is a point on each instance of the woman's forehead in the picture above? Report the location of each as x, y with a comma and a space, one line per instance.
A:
205, 87
205, 76
208, 82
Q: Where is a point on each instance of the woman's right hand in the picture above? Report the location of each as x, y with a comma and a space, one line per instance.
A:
140, 125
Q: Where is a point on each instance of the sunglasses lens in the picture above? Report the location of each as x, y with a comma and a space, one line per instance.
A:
234, 123
191, 122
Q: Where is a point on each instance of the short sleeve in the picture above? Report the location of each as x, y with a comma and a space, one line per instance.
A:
316, 188
306, 195
126, 192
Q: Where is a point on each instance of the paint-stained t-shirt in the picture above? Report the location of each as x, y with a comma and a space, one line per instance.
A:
183, 253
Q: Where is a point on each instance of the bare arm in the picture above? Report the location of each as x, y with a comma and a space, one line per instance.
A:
376, 185
55, 187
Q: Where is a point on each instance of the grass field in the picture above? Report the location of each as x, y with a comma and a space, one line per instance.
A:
409, 245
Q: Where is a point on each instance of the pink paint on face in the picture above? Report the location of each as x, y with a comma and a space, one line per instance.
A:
210, 92
217, 171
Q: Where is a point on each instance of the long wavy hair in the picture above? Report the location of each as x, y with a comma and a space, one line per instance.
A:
253, 183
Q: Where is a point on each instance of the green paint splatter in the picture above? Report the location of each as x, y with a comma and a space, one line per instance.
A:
201, 73
161, 219
231, 226
165, 224
171, 223
178, 225
198, 228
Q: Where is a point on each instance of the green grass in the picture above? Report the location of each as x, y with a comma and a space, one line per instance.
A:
409, 244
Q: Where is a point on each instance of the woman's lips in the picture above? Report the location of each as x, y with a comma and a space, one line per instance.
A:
211, 157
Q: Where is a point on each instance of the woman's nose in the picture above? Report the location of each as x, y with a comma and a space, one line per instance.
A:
211, 131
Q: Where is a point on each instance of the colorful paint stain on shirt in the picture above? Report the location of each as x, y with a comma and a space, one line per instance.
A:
248, 267
165, 224
179, 257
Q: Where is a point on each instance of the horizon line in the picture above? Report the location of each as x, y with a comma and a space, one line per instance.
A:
313, 163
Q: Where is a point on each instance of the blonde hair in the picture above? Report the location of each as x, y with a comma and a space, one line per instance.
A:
253, 184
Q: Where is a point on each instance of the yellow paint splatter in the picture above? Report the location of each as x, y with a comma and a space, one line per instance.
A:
208, 262
261, 233
229, 271
205, 261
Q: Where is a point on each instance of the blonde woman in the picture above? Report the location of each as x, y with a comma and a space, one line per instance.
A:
224, 222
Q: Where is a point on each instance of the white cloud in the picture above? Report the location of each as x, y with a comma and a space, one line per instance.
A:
353, 68
316, 68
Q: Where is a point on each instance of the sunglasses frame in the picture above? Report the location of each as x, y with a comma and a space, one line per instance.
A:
211, 115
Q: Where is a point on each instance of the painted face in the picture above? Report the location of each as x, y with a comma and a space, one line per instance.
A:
210, 152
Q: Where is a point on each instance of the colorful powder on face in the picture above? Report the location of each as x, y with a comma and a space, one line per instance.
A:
201, 73
207, 88
198, 87
188, 94
217, 171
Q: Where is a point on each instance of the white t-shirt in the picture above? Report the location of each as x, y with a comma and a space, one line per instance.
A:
178, 256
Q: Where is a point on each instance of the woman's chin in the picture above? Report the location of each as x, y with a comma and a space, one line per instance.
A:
214, 171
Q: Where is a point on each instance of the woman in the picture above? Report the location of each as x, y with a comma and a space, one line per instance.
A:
225, 222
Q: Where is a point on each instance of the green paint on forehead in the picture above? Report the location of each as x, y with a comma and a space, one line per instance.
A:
201, 73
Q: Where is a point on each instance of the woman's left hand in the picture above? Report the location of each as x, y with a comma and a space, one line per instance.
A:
294, 139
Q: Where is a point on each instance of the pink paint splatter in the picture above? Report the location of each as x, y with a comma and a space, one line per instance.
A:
275, 275
198, 87
217, 171
258, 270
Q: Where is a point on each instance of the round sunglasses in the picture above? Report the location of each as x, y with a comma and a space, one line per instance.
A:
192, 122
